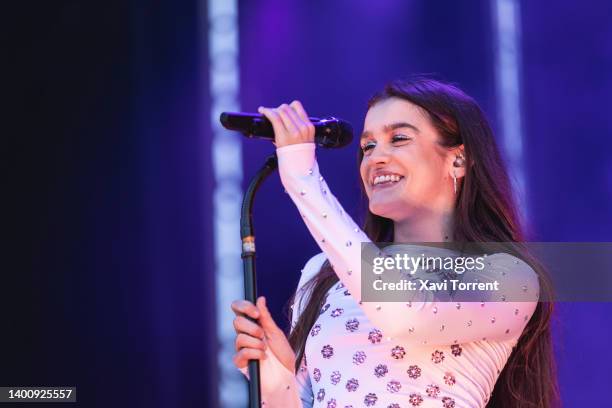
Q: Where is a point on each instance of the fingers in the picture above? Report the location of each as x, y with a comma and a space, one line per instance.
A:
265, 319
299, 109
307, 126
290, 123
241, 358
288, 116
244, 325
246, 341
249, 342
277, 123
298, 115
244, 307
266, 327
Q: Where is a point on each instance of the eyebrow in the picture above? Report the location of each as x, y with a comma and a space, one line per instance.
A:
391, 127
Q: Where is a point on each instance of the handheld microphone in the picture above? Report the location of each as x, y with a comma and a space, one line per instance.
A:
329, 132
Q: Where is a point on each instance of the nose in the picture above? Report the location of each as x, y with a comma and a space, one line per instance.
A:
380, 154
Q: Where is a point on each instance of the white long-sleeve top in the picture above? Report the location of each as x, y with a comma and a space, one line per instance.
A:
426, 353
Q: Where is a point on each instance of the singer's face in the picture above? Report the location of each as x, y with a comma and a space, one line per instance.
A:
400, 143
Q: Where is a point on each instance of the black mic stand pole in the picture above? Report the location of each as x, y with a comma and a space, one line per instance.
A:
248, 260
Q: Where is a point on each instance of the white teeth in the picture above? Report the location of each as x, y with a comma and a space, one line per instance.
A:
386, 178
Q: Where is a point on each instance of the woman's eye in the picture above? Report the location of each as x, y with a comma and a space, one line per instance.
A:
396, 138
399, 138
368, 146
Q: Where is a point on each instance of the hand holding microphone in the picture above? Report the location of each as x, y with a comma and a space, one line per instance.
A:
289, 124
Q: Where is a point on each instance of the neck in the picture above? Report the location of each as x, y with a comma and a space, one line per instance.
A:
432, 228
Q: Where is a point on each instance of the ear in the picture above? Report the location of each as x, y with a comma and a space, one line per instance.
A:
456, 155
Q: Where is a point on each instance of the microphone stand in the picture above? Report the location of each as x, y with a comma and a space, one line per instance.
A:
248, 258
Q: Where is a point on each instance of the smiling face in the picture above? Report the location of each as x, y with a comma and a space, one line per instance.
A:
405, 170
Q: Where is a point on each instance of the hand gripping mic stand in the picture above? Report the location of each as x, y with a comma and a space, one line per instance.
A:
248, 259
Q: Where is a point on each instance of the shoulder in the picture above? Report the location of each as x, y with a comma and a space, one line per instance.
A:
513, 270
503, 260
312, 267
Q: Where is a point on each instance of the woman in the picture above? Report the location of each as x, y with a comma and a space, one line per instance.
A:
432, 173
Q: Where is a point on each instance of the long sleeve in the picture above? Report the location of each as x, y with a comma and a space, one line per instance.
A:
279, 386
428, 320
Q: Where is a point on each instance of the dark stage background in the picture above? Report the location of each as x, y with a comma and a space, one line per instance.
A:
109, 274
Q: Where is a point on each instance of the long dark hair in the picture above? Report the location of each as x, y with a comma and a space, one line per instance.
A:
484, 212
